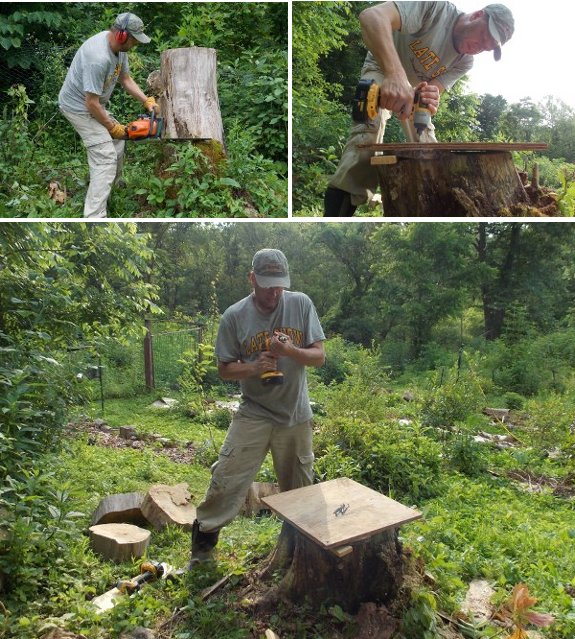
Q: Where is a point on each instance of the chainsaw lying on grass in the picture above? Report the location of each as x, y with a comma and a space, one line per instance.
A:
146, 127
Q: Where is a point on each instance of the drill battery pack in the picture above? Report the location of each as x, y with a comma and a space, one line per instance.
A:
365, 105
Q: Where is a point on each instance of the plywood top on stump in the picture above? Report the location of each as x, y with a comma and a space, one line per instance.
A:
339, 512
474, 147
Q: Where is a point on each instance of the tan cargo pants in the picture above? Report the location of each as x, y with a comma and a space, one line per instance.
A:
105, 160
247, 442
354, 173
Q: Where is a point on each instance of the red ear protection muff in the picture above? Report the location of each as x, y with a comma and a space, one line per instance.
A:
122, 34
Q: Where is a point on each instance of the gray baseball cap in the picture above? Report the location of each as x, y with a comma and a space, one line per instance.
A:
270, 267
133, 25
501, 25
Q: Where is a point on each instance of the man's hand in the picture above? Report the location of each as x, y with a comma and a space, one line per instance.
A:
265, 362
429, 96
396, 95
118, 132
281, 345
150, 105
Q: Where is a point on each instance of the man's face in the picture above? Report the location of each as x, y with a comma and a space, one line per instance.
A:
474, 37
267, 299
130, 43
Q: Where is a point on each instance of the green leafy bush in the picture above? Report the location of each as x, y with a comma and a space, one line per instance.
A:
452, 403
466, 455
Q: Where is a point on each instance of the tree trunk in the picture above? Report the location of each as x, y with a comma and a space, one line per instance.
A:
368, 570
187, 88
450, 180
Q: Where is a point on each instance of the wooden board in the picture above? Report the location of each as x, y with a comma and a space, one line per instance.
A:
340, 511
414, 147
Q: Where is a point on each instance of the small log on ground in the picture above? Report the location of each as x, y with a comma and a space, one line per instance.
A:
188, 95
123, 508
450, 180
119, 542
498, 413
253, 503
165, 505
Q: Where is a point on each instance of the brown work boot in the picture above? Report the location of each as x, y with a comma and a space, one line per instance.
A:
203, 544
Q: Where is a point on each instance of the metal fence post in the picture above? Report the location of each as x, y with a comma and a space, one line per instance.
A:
148, 357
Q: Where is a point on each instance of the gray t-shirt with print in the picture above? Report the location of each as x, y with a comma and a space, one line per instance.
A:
242, 336
94, 69
425, 43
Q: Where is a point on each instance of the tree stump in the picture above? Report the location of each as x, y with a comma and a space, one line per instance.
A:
119, 542
186, 86
449, 180
338, 545
368, 570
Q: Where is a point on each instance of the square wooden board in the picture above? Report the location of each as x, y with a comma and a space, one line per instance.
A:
339, 512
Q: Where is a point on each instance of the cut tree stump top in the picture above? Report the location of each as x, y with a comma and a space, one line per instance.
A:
338, 512
474, 147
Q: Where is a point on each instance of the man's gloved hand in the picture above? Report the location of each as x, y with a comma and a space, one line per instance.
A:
118, 132
150, 104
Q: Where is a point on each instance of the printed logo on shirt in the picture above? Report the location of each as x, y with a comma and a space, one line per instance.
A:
257, 343
428, 59
112, 77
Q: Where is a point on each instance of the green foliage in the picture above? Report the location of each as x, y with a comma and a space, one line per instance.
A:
255, 91
66, 287
452, 402
514, 401
466, 456
421, 619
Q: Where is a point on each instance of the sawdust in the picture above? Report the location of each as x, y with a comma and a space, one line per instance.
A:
477, 600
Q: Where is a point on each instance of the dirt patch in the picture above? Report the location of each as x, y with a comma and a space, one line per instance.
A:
563, 487
100, 434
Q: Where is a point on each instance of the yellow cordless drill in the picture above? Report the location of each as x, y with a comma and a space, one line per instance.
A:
365, 106
273, 378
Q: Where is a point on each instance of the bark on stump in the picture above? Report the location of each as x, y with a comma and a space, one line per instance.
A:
372, 571
188, 96
122, 508
445, 184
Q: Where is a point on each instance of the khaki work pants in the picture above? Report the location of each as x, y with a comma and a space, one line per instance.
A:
247, 442
105, 160
354, 173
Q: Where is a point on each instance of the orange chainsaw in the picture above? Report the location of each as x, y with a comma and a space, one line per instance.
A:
146, 127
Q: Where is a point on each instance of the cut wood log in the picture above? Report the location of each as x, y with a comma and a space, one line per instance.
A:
123, 508
165, 505
119, 542
188, 95
257, 491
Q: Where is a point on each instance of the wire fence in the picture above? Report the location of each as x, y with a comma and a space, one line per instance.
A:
168, 347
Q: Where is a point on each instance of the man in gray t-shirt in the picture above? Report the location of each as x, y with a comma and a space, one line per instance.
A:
411, 45
99, 64
265, 341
